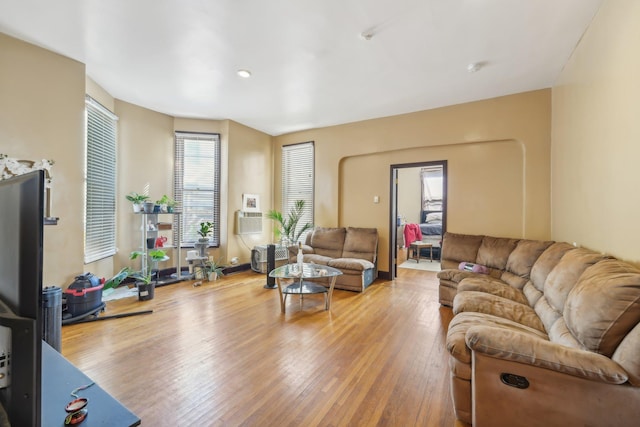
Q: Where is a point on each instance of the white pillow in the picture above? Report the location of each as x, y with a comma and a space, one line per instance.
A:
434, 217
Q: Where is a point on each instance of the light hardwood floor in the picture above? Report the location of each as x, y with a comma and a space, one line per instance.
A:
222, 354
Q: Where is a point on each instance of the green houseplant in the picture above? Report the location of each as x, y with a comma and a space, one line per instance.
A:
137, 200
167, 204
206, 228
288, 230
143, 277
213, 270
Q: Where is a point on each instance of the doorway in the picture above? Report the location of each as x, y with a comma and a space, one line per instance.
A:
418, 196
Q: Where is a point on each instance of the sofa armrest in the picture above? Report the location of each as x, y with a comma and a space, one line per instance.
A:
506, 344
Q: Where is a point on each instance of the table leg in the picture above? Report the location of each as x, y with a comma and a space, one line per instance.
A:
283, 296
333, 282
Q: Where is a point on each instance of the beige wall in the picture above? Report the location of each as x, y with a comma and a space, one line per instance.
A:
42, 117
498, 152
596, 136
250, 172
145, 165
409, 197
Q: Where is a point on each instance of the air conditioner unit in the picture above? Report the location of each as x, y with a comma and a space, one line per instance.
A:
259, 257
248, 222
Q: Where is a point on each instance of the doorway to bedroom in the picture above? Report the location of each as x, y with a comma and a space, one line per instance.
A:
418, 212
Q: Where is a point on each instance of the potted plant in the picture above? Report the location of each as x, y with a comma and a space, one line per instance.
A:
115, 281
137, 200
206, 227
213, 270
287, 231
167, 204
143, 278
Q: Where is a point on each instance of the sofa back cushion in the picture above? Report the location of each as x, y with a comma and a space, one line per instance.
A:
546, 262
457, 248
559, 283
328, 241
494, 253
361, 243
521, 260
604, 306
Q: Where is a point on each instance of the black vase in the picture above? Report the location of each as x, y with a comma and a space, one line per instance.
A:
146, 291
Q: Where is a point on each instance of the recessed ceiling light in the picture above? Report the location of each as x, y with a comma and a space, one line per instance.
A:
244, 73
474, 66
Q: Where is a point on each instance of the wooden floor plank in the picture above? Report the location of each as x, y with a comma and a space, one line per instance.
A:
222, 354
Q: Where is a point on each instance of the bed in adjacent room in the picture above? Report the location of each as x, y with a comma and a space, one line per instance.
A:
431, 228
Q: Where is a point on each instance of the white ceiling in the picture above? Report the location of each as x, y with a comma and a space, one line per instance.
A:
310, 65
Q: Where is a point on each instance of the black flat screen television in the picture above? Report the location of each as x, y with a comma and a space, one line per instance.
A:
21, 247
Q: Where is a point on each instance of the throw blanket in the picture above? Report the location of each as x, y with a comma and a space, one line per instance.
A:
412, 233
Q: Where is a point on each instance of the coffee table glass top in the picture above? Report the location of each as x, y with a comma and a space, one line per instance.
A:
309, 271
299, 285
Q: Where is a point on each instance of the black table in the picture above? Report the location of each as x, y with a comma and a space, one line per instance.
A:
60, 378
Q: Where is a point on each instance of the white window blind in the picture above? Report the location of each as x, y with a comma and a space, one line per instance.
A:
298, 180
197, 184
100, 182
432, 185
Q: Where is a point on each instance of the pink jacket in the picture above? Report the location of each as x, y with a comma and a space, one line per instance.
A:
412, 233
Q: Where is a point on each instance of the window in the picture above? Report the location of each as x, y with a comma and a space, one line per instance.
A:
297, 180
431, 178
100, 183
197, 184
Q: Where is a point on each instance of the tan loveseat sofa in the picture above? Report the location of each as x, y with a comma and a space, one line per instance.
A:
354, 251
550, 336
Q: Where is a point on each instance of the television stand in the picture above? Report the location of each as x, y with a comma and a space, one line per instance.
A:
60, 378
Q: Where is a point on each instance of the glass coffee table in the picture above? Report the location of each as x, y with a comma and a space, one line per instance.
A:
291, 281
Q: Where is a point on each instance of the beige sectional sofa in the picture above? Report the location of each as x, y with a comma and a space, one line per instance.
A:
352, 250
550, 336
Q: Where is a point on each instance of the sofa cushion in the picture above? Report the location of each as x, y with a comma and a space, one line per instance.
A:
626, 355
355, 264
560, 281
457, 248
492, 286
460, 324
604, 305
481, 302
456, 275
316, 259
494, 251
545, 263
521, 260
360, 243
328, 241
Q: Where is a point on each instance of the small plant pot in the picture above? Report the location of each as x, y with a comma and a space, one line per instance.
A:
137, 207
146, 291
148, 207
156, 208
201, 247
